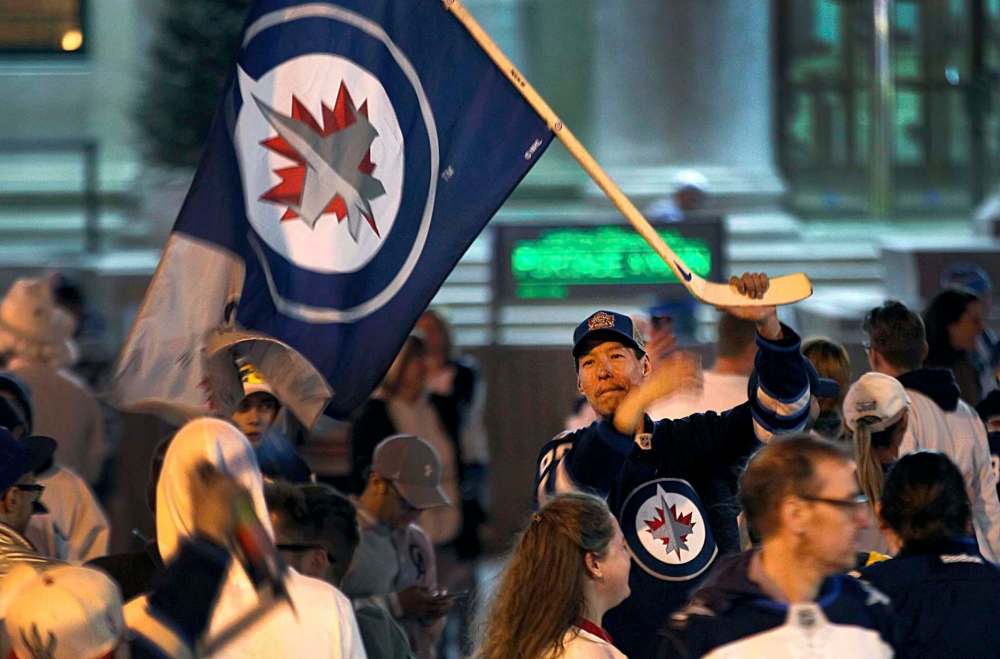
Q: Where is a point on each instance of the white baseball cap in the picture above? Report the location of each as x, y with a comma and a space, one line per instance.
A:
878, 398
64, 613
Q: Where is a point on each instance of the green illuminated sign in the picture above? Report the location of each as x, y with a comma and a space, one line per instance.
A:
544, 267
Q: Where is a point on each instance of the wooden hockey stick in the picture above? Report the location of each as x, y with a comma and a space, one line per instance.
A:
782, 290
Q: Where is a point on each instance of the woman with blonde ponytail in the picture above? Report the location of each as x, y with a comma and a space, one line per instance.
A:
876, 411
569, 566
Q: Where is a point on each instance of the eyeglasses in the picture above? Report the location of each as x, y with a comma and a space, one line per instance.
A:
850, 503
302, 547
34, 488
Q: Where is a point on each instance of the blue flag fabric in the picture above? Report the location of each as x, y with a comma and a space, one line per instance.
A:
360, 148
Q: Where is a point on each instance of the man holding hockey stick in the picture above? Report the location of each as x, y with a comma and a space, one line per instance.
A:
670, 484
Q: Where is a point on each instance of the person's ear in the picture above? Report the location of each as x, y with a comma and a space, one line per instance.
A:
8, 500
645, 365
793, 514
579, 383
316, 562
593, 565
924, 349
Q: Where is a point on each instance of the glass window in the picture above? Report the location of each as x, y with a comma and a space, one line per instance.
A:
945, 127
41, 26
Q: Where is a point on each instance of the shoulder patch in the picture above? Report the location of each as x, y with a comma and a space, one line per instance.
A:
875, 596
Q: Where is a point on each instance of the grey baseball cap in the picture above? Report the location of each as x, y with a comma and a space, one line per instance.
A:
413, 467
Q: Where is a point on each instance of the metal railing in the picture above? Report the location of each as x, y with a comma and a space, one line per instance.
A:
88, 150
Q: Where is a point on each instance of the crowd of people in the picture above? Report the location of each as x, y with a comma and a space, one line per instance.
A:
772, 505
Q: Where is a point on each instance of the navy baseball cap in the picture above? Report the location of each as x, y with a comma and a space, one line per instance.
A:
819, 386
607, 326
18, 458
968, 276
11, 384
9, 417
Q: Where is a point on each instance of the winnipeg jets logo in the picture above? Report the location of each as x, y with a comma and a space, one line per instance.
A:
339, 200
322, 161
664, 526
333, 170
670, 527
38, 647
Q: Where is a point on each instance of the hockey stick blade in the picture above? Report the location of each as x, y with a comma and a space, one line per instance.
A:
786, 289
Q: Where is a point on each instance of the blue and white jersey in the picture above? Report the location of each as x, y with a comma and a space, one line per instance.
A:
731, 617
672, 487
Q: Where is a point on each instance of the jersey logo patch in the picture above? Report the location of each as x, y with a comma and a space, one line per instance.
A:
666, 532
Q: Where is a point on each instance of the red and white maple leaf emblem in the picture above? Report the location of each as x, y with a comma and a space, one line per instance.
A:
288, 192
673, 528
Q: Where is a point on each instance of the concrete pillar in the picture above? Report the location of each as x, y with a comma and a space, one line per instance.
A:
684, 84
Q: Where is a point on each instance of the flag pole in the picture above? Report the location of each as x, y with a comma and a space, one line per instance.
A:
782, 290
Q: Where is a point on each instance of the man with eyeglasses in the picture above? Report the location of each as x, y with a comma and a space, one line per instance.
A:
789, 597
19, 500
394, 565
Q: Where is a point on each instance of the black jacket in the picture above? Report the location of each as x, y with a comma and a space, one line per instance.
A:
945, 597
732, 615
134, 571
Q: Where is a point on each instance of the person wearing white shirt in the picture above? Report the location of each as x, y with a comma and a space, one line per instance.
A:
569, 567
725, 385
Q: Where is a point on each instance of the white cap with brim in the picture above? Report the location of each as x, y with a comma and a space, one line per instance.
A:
877, 399
35, 326
64, 612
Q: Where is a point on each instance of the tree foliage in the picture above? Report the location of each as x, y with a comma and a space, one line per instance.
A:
190, 59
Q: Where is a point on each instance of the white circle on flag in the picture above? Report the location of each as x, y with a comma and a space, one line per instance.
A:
315, 80
649, 515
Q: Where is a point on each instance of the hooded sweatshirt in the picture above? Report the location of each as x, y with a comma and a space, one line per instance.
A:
322, 624
75, 529
940, 421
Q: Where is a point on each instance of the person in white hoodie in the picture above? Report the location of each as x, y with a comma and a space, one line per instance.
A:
938, 419
322, 623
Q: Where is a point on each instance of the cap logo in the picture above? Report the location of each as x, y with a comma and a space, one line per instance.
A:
35, 646
428, 470
866, 406
807, 618
600, 320
250, 375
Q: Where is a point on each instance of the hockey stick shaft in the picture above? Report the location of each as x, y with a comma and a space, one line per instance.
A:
695, 285
566, 136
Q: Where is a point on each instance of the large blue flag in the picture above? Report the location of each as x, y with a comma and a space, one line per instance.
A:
360, 147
